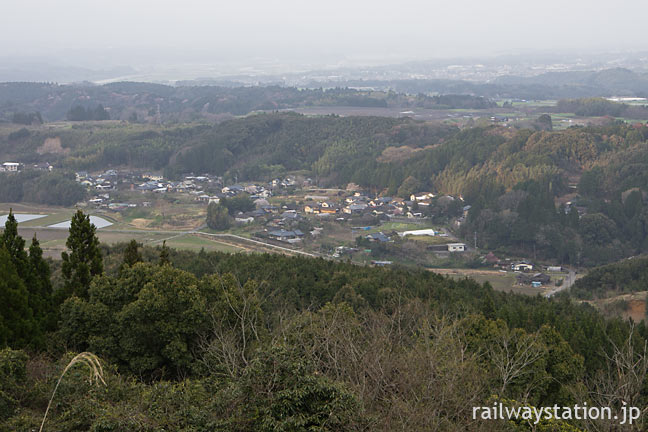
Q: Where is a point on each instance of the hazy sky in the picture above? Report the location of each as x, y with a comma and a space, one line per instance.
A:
121, 31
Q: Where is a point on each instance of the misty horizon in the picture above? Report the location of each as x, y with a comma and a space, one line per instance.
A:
180, 40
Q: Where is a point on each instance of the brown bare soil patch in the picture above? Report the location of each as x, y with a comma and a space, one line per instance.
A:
52, 145
398, 154
461, 271
184, 224
636, 309
140, 223
634, 305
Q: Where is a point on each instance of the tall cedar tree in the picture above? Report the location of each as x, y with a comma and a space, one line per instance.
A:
34, 271
40, 288
17, 324
15, 245
131, 255
84, 260
164, 255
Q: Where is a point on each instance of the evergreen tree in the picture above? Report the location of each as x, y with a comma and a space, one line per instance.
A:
543, 123
164, 255
131, 254
40, 287
77, 113
100, 113
409, 186
218, 217
84, 260
15, 246
16, 319
34, 273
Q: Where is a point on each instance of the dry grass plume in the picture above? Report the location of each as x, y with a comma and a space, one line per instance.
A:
96, 375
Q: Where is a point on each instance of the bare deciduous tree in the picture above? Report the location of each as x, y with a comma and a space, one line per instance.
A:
236, 323
513, 354
622, 382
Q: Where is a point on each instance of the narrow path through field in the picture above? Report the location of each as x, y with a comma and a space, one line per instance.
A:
174, 234
569, 280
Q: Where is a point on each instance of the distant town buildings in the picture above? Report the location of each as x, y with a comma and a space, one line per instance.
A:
289, 220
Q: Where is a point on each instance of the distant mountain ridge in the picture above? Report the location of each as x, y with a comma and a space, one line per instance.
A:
143, 101
44, 71
550, 85
617, 80
187, 102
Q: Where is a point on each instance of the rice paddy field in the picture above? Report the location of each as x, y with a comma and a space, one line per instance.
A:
50, 225
193, 243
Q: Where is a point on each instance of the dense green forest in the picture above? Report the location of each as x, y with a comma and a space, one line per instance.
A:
80, 113
55, 188
213, 341
623, 277
99, 146
251, 147
596, 107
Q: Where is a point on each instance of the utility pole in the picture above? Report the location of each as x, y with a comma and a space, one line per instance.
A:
475, 240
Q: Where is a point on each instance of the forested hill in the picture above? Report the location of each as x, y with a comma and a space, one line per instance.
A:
551, 85
600, 107
616, 81
624, 277
285, 141
135, 101
193, 100
576, 196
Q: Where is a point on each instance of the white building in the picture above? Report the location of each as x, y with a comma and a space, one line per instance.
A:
522, 267
421, 196
423, 232
11, 166
456, 247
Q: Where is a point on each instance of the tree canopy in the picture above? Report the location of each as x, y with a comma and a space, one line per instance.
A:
83, 262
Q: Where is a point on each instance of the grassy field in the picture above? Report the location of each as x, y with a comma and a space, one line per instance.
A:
341, 234
536, 104
436, 240
121, 237
178, 220
396, 226
193, 243
501, 281
53, 241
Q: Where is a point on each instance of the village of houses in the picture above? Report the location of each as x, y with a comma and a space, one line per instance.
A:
292, 211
